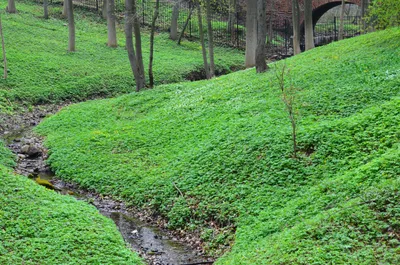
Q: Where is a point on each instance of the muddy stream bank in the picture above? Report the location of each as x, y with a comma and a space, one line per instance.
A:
157, 246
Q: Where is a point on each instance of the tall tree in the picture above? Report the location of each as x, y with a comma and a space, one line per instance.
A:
45, 9
365, 8
11, 7
4, 50
232, 19
153, 28
341, 25
174, 22
111, 30
71, 26
65, 10
130, 14
261, 65
296, 26
308, 24
104, 9
251, 33
185, 25
363, 14
270, 21
138, 44
203, 45
210, 39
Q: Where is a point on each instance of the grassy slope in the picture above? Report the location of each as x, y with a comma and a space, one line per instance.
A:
226, 145
39, 226
42, 71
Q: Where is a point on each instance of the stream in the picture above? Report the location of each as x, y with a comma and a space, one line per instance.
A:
156, 246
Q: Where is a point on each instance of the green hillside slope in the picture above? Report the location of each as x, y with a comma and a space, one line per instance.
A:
39, 226
217, 155
42, 71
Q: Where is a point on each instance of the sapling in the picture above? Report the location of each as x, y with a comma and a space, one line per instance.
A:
289, 96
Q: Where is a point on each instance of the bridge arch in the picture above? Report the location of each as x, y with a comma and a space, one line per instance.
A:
321, 7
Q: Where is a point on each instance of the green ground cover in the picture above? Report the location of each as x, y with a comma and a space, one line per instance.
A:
216, 155
39, 226
41, 70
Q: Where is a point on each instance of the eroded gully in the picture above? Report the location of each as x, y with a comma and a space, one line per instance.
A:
155, 245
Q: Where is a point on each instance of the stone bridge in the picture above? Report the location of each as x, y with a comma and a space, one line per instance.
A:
282, 9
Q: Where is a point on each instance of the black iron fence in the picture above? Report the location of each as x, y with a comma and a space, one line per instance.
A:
228, 24
328, 32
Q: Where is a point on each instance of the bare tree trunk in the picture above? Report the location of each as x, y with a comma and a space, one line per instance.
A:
45, 9
296, 26
289, 97
185, 26
104, 9
270, 20
174, 22
129, 42
153, 28
364, 9
341, 25
65, 11
210, 39
251, 33
112, 32
261, 65
232, 18
294, 132
71, 26
203, 45
11, 7
4, 50
138, 46
309, 27
363, 15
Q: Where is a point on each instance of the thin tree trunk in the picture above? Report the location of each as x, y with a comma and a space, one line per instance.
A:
294, 132
270, 20
71, 26
45, 9
232, 19
65, 10
4, 50
153, 28
11, 7
364, 10
261, 65
251, 33
174, 22
112, 32
185, 26
363, 15
203, 45
129, 42
138, 46
210, 39
309, 27
341, 25
296, 26
104, 9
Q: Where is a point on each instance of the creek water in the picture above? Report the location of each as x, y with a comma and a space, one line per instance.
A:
156, 246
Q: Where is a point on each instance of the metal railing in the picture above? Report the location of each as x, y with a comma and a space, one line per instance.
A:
228, 27
328, 32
